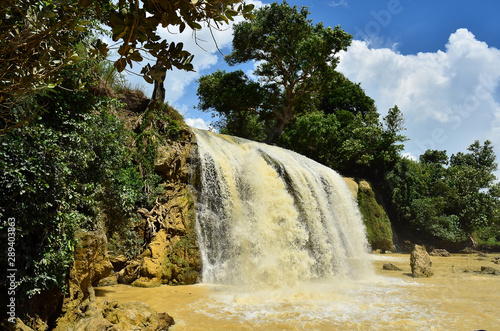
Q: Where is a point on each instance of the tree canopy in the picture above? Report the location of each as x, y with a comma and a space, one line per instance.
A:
448, 199
295, 57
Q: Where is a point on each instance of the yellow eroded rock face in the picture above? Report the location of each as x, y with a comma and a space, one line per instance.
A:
353, 186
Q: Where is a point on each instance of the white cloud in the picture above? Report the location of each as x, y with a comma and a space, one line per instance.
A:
409, 156
427, 85
446, 96
198, 123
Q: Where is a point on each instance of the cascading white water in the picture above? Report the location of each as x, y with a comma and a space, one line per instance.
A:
267, 216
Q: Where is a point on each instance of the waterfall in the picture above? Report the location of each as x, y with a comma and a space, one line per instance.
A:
269, 217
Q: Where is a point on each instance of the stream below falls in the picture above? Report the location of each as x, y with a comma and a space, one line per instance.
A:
457, 297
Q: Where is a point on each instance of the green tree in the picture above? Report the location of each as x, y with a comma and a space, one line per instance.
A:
448, 202
342, 94
315, 135
37, 40
295, 58
239, 115
473, 195
355, 144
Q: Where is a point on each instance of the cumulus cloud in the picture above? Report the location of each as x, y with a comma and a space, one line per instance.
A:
198, 123
454, 91
427, 85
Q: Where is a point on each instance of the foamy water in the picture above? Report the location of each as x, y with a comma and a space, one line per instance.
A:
372, 304
269, 217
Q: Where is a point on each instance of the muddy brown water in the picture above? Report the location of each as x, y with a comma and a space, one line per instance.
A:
457, 297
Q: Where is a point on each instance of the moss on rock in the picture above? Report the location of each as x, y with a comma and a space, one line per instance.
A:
378, 225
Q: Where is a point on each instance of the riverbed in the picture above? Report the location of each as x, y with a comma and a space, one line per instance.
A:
457, 297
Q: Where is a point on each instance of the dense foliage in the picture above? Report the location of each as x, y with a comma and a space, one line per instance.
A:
352, 143
77, 167
37, 40
448, 199
63, 172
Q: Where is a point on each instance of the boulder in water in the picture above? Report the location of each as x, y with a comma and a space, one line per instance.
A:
439, 252
108, 281
130, 315
111, 315
390, 266
490, 271
420, 262
468, 250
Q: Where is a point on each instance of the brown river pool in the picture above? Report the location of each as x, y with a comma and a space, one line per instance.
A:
457, 297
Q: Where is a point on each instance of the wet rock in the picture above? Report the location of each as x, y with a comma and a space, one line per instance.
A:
490, 271
17, 326
439, 252
108, 281
90, 266
173, 159
353, 186
130, 273
147, 282
130, 315
91, 260
111, 315
119, 262
420, 262
468, 250
390, 266
94, 323
377, 223
166, 321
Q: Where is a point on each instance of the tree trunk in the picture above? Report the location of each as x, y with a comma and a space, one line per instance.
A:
158, 96
275, 132
281, 122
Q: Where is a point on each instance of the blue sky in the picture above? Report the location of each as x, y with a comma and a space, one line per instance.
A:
439, 61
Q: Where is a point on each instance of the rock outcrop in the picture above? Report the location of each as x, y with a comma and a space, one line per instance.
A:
172, 255
390, 266
439, 252
111, 315
377, 223
420, 262
490, 271
91, 264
